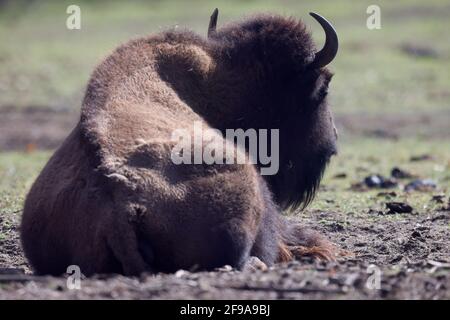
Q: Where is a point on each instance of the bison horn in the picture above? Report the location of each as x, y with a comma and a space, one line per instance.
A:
213, 23
330, 49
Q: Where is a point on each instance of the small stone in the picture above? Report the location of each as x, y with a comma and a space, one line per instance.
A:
181, 273
373, 181
421, 185
438, 198
389, 183
387, 194
336, 227
225, 268
400, 174
416, 234
399, 207
378, 181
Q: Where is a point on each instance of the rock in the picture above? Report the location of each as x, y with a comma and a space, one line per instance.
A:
181, 273
438, 198
399, 207
378, 181
389, 183
416, 234
373, 181
336, 227
391, 194
225, 268
401, 174
421, 185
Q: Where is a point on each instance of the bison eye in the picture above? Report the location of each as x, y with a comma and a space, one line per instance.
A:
323, 93
320, 88
320, 94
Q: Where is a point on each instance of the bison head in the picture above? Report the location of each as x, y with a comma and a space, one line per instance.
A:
273, 77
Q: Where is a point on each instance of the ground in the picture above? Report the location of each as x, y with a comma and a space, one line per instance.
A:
391, 100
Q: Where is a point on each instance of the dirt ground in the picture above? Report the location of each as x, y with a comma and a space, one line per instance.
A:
395, 255
410, 253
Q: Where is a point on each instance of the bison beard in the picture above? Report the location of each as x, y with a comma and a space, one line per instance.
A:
111, 201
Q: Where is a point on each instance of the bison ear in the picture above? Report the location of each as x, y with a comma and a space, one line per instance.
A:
213, 23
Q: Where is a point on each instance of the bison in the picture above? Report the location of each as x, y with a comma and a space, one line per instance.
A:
110, 199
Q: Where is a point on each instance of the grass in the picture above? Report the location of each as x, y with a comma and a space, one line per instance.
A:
44, 64
17, 172
361, 157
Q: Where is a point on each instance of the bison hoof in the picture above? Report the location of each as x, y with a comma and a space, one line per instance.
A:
254, 263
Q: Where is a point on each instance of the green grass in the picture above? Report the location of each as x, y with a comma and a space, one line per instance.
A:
17, 173
360, 157
44, 64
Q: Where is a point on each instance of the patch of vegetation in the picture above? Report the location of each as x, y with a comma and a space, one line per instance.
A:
17, 173
362, 157
44, 64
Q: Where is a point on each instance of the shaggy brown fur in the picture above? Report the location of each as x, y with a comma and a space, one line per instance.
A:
111, 200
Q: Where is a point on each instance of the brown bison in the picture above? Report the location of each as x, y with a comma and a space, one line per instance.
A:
111, 200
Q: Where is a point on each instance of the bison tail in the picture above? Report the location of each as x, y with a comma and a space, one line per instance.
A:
300, 241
